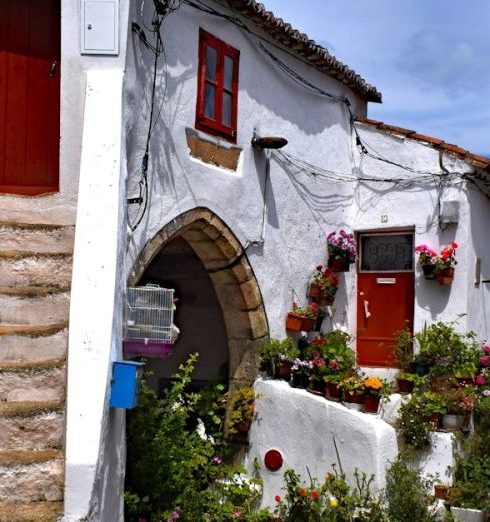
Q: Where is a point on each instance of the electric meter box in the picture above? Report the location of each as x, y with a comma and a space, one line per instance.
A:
99, 26
125, 384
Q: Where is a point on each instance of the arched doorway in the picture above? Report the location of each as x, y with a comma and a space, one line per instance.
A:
198, 254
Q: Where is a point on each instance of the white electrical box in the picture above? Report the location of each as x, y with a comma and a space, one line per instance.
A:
100, 26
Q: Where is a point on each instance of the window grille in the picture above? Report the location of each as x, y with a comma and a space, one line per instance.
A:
149, 314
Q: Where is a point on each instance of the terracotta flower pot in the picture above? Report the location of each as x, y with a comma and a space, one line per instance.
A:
317, 387
445, 277
298, 323
354, 398
244, 426
325, 300
282, 370
371, 403
339, 264
440, 491
404, 385
314, 290
334, 393
428, 271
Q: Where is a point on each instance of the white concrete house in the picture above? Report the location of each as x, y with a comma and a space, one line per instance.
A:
167, 120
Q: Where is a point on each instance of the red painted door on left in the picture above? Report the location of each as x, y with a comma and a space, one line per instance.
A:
29, 96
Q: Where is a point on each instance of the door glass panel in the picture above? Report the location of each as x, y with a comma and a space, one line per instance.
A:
209, 98
387, 252
211, 61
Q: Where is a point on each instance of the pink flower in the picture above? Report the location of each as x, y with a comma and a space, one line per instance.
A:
319, 362
237, 512
485, 360
486, 393
486, 349
480, 380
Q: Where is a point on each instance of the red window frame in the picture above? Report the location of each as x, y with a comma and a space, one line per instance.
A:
215, 125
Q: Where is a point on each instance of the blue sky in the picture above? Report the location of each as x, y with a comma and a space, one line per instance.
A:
429, 58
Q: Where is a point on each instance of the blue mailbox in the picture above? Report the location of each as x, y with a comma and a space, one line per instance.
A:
125, 383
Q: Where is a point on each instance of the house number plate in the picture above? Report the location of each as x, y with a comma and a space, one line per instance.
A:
386, 280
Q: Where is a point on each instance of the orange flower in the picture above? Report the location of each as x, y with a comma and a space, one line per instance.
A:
374, 383
302, 492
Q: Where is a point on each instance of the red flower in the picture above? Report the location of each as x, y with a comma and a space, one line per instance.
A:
317, 340
313, 307
486, 349
302, 492
277, 498
314, 495
485, 360
319, 267
454, 244
480, 380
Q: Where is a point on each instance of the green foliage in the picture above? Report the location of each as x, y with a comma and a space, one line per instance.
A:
403, 348
334, 500
407, 495
240, 408
174, 467
277, 350
447, 350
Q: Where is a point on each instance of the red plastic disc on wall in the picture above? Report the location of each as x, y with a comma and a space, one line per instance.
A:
273, 460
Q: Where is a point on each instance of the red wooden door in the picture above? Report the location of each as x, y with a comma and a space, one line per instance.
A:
29, 96
385, 298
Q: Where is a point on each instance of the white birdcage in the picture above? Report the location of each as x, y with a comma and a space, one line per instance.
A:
149, 314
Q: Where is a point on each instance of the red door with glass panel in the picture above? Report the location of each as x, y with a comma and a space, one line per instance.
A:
385, 295
29, 96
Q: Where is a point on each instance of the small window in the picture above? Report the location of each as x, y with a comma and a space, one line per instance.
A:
386, 252
217, 88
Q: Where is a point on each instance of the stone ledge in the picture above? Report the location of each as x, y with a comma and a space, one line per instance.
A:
14, 458
11, 511
31, 366
33, 291
213, 152
28, 408
32, 330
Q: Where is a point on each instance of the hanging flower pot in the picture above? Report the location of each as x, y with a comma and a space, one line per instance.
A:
371, 403
445, 276
298, 323
429, 271
339, 264
314, 290
325, 300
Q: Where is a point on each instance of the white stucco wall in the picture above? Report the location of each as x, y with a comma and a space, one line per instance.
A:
303, 427
94, 436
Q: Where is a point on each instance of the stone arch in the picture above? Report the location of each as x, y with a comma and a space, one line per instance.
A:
235, 284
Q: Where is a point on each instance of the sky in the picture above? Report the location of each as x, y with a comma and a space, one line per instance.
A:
429, 58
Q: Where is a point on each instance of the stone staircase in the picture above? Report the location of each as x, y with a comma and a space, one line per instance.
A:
35, 275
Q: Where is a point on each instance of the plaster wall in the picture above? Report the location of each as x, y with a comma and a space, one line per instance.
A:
60, 207
94, 436
413, 205
299, 208
479, 247
303, 427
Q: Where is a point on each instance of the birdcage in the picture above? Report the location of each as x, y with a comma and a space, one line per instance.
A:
149, 315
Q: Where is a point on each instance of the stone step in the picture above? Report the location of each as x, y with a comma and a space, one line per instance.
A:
11, 511
20, 269
25, 309
22, 237
32, 381
32, 343
31, 476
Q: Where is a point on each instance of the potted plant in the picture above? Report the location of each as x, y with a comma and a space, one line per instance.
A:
469, 501
374, 389
427, 260
459, 403
301, 372
317, 378
279, 354
324, 286
302, 319
352, 386
341, 248
241, 409
445, 262
404, 356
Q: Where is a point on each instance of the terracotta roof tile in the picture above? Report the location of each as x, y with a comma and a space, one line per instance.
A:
478, 161
306, 48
